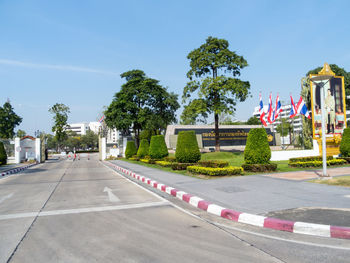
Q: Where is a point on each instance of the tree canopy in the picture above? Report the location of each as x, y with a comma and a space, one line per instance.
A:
60, 118
211, 85
142, 103
8, 121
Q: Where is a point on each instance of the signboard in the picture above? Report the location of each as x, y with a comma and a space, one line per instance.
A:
334, 104
227, 137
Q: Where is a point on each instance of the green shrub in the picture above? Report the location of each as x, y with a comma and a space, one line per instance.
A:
187, 150
3, 155
164, 163
149, 161
157, 148
308, 159
170, 159
345, 143
180, 166
146, 134
213, 163
266, 167
134, 158
130, 149
230, 170
344, 158
143, 148
257, 149
318, 163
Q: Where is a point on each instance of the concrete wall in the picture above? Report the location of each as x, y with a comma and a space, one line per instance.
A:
286, 155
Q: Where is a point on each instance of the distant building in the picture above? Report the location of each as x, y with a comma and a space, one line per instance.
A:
82, 127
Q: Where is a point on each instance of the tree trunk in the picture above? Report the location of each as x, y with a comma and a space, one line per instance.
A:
217, 138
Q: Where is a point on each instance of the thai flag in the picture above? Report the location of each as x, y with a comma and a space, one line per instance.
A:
102, 119
293, 109
302, 109
270, 111
278, 107
262, 112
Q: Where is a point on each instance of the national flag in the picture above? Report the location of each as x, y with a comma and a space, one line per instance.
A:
101, 119
302, 109
262, 112
293, 109
278, 107
270, 111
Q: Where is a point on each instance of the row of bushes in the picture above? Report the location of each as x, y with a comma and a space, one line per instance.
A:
230, 170
308, 159
317, 163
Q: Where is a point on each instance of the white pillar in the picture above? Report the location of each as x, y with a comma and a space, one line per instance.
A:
17, 150
37, 150
103, 148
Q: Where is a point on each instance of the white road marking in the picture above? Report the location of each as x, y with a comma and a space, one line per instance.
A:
2, 199
112, 197
83, 210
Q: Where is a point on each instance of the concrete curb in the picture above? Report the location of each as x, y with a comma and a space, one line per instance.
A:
251, 219
16, 170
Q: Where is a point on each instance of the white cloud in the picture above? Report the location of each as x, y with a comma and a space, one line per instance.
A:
55, 67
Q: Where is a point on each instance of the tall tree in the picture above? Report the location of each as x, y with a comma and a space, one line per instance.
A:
20, 133
142, 103
8, 121
219, 93
253, 121
60, 118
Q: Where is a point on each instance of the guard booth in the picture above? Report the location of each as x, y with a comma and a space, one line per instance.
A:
335, 108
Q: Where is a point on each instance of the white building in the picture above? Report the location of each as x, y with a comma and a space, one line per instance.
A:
82, 127
112, 136
296, 121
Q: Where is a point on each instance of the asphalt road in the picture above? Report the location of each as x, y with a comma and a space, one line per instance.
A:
82, 211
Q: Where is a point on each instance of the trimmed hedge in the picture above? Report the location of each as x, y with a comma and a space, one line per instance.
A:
318, 163
187, 150
344, 158
308, 159
213, 164
134, 158
257, 149
180, 166
157, 148
3, 155
267, 167
143, 148
230, 170
170, 159
150, 161
345, 143
164, 163
130, 149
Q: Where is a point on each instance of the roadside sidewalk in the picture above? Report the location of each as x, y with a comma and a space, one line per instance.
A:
7, 167
262, 195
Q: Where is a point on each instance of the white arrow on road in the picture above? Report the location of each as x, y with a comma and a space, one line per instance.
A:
2, 199
112, 197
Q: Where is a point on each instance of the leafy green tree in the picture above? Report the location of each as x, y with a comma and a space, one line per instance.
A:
60, 118
194, 112
20, 133
51, 142
284, 128
90, 140
217, 92
253, 121
142, 103
3, 155
345, 143
257, 149
8, 121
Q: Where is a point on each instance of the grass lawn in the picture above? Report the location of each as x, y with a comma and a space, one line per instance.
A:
234, 159
339, 181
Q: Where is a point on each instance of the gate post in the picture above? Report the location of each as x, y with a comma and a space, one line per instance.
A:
17, 150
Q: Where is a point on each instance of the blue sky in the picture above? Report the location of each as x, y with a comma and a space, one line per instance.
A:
73, 52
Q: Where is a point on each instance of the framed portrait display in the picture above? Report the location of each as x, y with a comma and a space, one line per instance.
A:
334, 105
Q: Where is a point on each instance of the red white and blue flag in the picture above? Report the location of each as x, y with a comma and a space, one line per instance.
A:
278, 107
293, 109
302, 109
101, 119
270, 112
262, 112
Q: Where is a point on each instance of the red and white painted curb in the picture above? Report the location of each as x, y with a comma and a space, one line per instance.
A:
251, 219
17, 170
